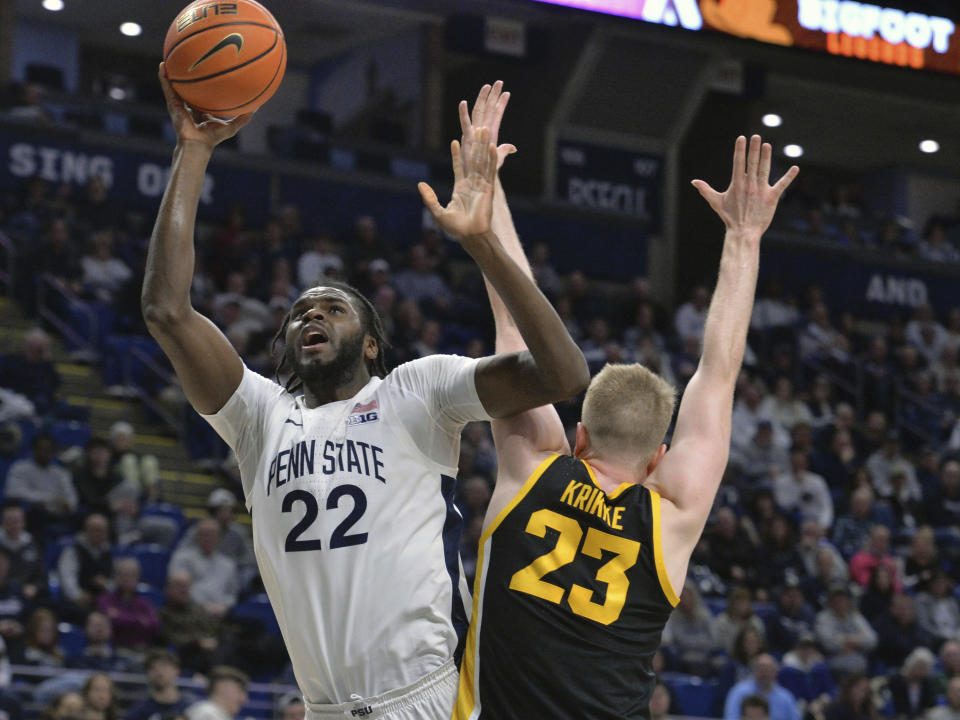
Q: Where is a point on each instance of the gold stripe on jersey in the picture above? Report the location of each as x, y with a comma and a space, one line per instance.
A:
467, 691
665, 583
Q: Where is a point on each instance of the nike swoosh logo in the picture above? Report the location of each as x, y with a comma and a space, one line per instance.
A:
288, 420
235, 39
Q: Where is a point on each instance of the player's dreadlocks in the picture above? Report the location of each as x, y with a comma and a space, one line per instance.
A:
372, 325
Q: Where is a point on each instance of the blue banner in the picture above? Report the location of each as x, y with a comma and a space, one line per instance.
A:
136, 179
604, 178
867, 287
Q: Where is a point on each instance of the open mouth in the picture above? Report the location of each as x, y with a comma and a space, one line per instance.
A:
313, 339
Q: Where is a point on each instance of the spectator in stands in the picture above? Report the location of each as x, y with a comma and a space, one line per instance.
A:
737, 615
138, 470
852, 531
763, 459
31, 372
837, 463
40, 640
898, 632
135, 620
691, 316
68, 706
99, 652
913, 690
854, 702
26, 561
45, 486
806, 675
732, 552
103, 273
85, 568
234, 540
235, 308
548, 280
98, 698
365, 245
821, 403
186, 625
57, 256
827, 573
746, 416
922, 561
779, 560
95, 209
942, 508
97, 477
794, 619
319, 259
291, 705
804, 492
876, 552
812, 541
213, 575
949, 664
819, 340
226, 695
754, 707
782, 704
28, 106
844, 634
926, 334
13, 605
883, 463
879, 593
689, 633
950, 711
783, 408
747, 646
422, 284
938, 611
164, 698
14, 406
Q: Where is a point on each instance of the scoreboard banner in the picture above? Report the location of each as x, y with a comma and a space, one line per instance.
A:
876, 32
611, 179
866, 285
136, 179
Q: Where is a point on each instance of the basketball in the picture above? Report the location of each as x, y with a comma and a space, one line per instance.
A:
225, 58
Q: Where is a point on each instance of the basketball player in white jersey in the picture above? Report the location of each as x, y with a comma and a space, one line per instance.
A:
564, 630
348, 470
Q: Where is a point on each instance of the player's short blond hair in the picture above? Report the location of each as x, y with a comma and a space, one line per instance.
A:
627, 410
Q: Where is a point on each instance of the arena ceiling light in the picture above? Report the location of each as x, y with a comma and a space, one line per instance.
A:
53, 5
793, 151
929, 146
772, 120
130, 29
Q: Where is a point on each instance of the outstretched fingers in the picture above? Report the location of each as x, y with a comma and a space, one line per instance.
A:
478, 152
466, 127
430, 199
784, 182
739, 161
456, 157
766, 157
753, 158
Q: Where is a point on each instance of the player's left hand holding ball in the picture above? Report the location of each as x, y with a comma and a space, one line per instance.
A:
468, 214
188, 129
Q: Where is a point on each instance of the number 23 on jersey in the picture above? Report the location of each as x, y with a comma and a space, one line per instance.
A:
612, 573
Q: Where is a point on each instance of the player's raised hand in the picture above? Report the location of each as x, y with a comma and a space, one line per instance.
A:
749, 203
189, 127
469, 212
488, 111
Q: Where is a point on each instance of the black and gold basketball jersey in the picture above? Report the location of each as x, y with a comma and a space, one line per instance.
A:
570, 600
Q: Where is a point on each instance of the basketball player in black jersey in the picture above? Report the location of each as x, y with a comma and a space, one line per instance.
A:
581, 554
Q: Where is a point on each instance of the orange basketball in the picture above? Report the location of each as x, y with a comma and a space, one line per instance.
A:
225, 58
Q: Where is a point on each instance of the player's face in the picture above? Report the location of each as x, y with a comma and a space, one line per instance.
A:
325, 335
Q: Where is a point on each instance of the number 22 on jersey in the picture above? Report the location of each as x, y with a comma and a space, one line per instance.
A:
613, 573
340, 537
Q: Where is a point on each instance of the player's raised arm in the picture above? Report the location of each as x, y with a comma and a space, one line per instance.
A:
553, 368
688, 476
208, 367
522, 439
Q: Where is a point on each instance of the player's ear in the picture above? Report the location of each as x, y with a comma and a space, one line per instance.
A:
583, 440
657, 457
370, 347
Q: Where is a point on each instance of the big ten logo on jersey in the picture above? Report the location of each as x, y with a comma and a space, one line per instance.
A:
364, 413
199, 13
362, 711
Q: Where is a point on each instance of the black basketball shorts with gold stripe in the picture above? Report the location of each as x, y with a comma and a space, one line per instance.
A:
569, 603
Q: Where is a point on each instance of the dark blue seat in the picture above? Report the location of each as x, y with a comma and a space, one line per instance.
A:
67, 433
257, 607
167, 510
71, 640
692, 695
154, 560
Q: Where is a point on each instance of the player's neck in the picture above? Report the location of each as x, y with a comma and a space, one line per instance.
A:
610, 474
317, 394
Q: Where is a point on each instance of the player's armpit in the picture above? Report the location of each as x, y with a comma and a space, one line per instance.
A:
511, 383
209, 368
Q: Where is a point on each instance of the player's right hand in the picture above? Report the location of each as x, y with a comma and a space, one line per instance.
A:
488, 111
185, 124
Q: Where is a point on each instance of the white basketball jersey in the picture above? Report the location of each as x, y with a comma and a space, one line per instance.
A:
354, 525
